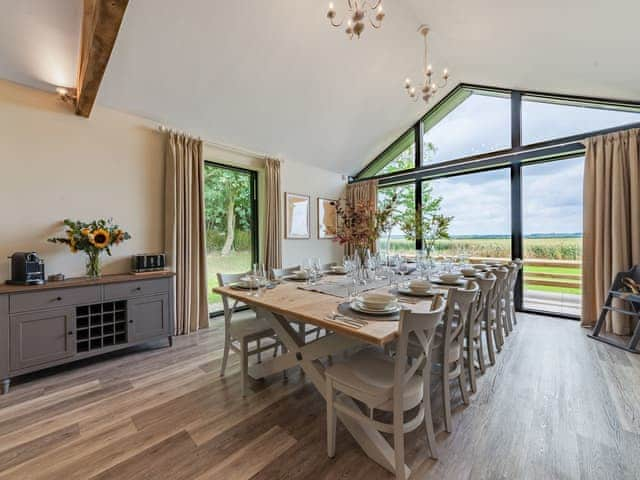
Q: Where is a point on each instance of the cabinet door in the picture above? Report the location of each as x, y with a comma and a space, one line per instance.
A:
41, 337
148, 317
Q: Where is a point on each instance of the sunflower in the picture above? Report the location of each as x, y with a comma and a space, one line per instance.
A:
100, 238
85, 231
72, 246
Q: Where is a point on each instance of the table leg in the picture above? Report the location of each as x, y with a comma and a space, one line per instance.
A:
369, 439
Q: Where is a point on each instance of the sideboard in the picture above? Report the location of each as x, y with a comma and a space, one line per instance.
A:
59, 322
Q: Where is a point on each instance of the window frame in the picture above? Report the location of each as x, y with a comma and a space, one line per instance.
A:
513, 158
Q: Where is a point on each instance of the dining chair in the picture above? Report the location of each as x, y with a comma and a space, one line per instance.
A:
448, 346
239, 334
512, 299
493, 323
474, 344
387, 384
508, 297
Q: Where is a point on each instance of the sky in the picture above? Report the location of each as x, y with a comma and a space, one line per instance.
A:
552, 192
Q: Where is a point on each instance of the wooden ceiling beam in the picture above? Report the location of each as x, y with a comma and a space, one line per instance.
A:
101, 22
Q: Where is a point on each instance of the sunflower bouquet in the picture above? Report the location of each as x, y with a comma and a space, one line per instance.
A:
93, 238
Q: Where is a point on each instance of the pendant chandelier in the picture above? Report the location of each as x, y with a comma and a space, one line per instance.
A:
429, 88
358, 11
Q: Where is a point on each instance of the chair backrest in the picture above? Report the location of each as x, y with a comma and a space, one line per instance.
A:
278, 273
422, 326
514, 269
460, 303
501, 274
225, 279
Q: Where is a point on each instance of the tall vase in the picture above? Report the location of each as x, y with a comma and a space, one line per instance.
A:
362, 270
94, 268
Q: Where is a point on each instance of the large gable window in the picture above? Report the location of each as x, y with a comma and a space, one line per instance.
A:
400, 156
468, 123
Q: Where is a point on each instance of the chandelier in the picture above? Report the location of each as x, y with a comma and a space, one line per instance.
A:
429, 88
358, 11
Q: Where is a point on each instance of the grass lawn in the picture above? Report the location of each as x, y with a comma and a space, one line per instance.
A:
235, 262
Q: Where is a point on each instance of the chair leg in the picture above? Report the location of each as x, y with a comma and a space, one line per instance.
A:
398, 443
331, 421
472, 369
513, 313
225, 355
480, 352
428, 418
244, 367
446, 398
496, 339
490, 347
462, 382
259, 352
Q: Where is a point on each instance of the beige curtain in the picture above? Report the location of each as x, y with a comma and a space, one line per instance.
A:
611, 220
185, 231
273, 216
366, 192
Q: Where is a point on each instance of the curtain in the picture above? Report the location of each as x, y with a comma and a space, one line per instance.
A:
185, 231
273, 216
366, 192
611, 220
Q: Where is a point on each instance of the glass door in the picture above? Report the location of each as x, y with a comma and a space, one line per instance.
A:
552, 236
231, 220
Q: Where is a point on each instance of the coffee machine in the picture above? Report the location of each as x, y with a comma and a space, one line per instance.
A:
27, 268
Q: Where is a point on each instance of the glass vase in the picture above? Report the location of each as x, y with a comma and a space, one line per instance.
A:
94, 268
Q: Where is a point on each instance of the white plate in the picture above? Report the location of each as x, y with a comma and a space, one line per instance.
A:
408, 291
294, 278
457, 283
361, 308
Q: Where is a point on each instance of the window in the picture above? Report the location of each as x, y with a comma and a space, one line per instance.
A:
479, 204
398, 240
469, 123
545, 118
401, 155
231, 223
552, 235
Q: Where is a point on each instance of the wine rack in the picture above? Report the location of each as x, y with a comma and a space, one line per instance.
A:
101, 325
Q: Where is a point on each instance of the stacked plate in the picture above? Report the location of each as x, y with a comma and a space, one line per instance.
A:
417, 287
376, 304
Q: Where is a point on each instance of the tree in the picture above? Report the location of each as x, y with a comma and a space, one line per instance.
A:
227, 203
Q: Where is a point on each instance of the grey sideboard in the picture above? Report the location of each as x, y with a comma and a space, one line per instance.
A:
59, 322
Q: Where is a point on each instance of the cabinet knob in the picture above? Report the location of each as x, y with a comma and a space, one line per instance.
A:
138, 289
131, 321
58, 298
70, 333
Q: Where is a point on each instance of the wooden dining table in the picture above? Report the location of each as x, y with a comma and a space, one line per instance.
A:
288, 303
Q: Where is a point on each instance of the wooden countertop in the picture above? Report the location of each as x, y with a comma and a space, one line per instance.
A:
84, 282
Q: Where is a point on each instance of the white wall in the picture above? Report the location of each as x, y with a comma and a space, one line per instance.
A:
55, 165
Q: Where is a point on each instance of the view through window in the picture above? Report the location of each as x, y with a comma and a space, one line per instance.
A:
399, 240
229, 220
552, 230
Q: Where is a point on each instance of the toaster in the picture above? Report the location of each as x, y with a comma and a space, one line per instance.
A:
148, 262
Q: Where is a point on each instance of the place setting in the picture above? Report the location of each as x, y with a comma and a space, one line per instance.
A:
449, 279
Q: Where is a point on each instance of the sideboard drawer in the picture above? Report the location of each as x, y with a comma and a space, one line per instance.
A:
139, 288
63, 297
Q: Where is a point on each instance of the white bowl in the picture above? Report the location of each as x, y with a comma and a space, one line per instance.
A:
450, 277
418, 285
377, 300
468, 272
480, 266
301, 274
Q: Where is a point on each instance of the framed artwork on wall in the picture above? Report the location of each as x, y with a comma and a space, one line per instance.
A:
296, 218
327, 218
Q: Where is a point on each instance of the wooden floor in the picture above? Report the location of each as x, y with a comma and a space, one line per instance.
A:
557, 405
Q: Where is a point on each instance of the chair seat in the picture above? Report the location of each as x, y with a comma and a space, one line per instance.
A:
250, 327
368, 376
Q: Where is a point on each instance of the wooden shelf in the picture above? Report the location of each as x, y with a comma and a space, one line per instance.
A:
101, 325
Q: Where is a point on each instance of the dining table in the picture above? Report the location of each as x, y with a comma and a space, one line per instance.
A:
298, 302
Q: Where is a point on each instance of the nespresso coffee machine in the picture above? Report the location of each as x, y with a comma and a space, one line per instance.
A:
27, 268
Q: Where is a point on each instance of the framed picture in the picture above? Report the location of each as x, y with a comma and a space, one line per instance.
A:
296, 218
327, 218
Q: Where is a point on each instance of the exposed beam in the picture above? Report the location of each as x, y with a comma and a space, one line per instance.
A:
100, 25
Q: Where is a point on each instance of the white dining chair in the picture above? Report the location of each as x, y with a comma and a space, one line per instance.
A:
493, 315
240, 334
387, 384
474, 343
448, 348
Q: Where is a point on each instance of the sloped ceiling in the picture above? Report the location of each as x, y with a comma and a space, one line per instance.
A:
274, 77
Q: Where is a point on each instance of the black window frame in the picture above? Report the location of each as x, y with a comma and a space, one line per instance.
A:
513, 158
255, 237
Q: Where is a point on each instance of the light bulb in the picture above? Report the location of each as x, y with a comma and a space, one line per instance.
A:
330, 6
429, 69
407, 82
445, 74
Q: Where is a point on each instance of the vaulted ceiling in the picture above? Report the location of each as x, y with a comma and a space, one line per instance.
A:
274, 77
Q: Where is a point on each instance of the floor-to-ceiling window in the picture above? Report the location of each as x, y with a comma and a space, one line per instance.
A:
506, 167
231, 223
398, 239
552, 235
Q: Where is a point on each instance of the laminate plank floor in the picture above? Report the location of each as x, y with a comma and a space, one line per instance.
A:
556, 405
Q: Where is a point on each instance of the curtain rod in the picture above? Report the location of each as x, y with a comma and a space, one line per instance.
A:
222, 146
